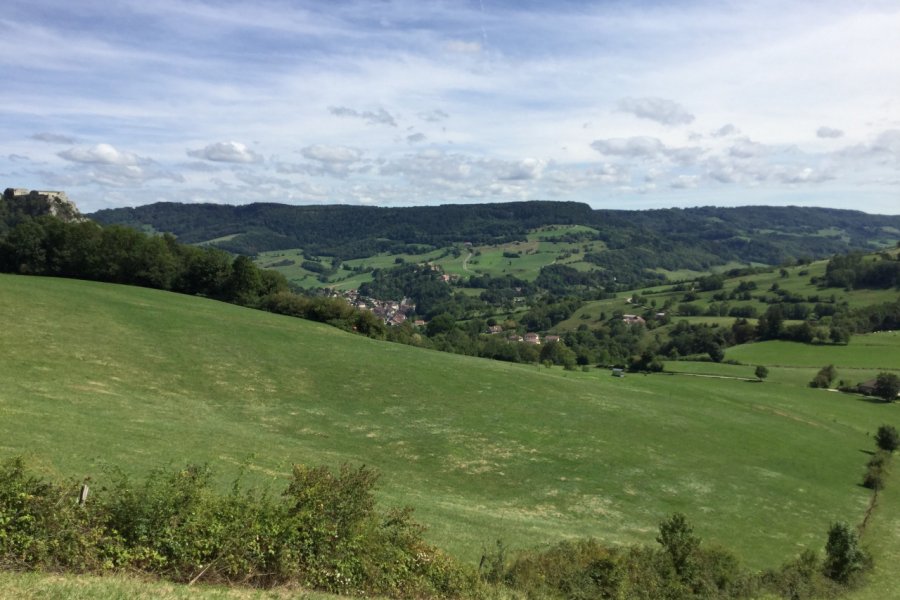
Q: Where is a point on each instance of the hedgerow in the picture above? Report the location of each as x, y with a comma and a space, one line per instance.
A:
322, 532
325, 532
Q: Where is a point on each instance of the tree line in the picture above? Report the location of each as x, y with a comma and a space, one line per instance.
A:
118, 254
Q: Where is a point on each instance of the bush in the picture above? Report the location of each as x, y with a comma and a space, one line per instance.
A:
844, 559
887, 386
801, 579
323, 532
576, 569
887, 438
824, 377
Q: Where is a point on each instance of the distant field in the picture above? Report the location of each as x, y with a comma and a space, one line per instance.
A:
876, 351
797, 281
100, 375
535, 253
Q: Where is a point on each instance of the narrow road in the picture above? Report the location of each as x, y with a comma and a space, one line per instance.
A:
466, 261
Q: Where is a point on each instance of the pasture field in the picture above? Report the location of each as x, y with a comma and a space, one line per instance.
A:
343, 279
97, 375
876, 351
536, 252
555, 231
797, 281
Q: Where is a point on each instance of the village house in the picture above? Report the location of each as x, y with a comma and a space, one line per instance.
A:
632, 319
532, 338
551, 338
495, 329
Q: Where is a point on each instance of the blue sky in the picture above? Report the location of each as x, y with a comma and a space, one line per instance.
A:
397, 103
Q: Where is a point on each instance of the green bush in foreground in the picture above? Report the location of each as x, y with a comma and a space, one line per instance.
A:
681, 568
323, 532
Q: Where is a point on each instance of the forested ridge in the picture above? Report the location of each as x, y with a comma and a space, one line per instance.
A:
683, 238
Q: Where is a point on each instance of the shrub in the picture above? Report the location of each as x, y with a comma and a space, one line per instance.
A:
573, 569
844, 559
887, 438
324, 532
876, 470
801, 579
887, 386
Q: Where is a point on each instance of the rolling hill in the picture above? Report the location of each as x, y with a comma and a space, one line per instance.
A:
98, 375
628, 244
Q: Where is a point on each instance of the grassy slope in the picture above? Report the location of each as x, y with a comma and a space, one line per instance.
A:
39, 586
97, 374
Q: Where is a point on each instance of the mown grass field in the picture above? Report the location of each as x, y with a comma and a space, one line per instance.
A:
796, 364
97, 375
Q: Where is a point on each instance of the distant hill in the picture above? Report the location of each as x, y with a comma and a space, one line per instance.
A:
693, 238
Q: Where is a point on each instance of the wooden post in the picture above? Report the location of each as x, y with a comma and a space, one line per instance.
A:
82, 497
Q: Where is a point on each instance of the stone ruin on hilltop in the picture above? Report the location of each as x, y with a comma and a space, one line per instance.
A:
37, 203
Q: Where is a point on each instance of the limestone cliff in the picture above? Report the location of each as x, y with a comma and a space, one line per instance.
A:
36, 203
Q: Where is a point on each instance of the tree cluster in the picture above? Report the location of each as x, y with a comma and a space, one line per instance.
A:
856, 270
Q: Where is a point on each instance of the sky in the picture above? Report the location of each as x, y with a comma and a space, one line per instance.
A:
619, 104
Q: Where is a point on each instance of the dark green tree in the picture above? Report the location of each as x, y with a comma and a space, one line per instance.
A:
679, 542
843, 556
770, 323
761, 372
824, 377
442, 323
887, 386
887, 438
244, 284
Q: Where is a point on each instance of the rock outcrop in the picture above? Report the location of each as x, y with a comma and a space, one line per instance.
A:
36, 203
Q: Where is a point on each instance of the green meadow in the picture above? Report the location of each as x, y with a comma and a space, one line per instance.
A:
795, 279
97, 375
541, 248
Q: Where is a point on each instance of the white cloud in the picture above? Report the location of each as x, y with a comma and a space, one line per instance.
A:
434, 116
888, 142
331, 154
747, 148
633, 147
416, 138
376, 117
528, 168
726, 130
100, 154
230, 152
54, 138
667, 112
463, 47
828, 132
797, 175
683, 182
